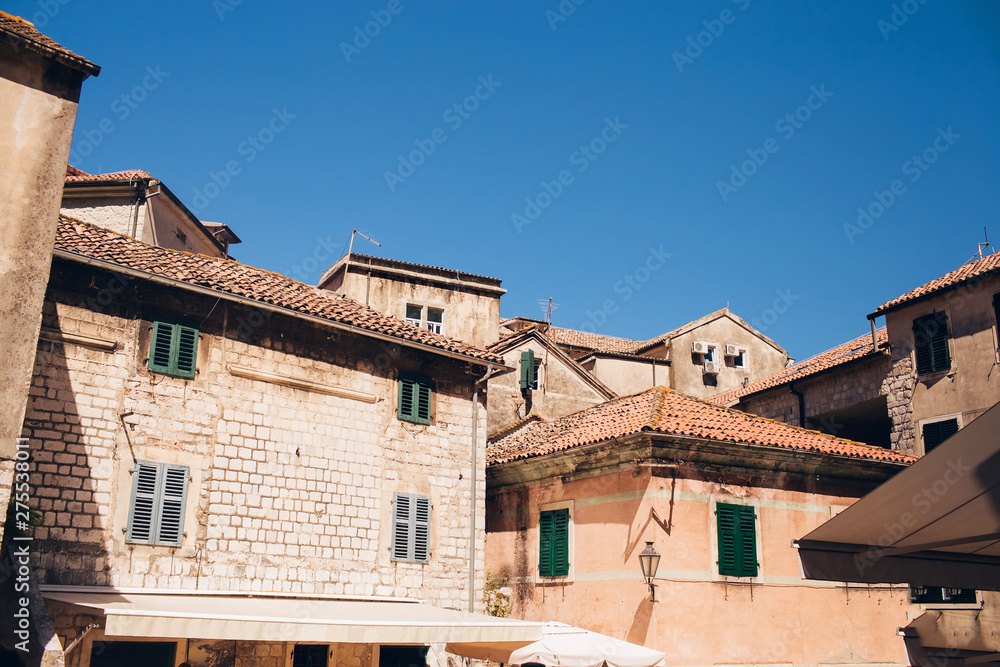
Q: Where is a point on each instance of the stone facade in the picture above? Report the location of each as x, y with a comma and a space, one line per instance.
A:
290, 490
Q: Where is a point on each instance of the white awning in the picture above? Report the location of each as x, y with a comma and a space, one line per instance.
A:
937, 523
293, 619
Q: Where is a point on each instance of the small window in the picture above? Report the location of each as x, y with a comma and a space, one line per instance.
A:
414, 314
310, 655
934, 595
173, 350
737, 540
402, 656
553, 543
710, 354
411, 520
414, 399
930, 342
529, 370
156, 512
934, 433
435, 319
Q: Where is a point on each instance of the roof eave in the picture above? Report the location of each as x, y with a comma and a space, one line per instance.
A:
65, 58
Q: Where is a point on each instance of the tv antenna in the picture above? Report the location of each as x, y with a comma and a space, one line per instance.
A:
350, 249
983, 245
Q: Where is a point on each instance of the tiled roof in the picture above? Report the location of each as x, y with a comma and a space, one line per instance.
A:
855, 349
19, 28
970, 271
229, 277
664, 411
74, 175
593, 341
356, 256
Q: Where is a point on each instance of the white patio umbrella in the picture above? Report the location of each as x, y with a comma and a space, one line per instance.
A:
564, 645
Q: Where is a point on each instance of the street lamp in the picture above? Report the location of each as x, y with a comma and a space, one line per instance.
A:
649, 562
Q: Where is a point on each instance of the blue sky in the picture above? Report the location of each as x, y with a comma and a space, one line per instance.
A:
641, 163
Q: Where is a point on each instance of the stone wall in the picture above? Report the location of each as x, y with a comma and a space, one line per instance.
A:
290, 490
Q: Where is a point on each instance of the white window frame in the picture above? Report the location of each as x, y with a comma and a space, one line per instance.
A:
957, 416
571, 538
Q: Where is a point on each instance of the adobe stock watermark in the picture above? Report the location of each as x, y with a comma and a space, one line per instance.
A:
581, 158
455, 115
21, 553
899, 16
697, 43
248, 149
786, 126
782, 302
47, 9
923, 501
121, 108
562, 12
363, 35
626, 287
223, 7
913, 168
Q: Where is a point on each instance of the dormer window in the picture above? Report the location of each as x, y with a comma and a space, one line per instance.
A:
435, 319
414, 314
429, 318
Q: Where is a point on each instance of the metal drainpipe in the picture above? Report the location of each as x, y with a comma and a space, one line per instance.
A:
474, 475
802, 405
871, 320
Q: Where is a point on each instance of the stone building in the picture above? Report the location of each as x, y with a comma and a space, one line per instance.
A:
720, 495
139, 206
843, 391
459, 305
40, 83
945, 350
223, 459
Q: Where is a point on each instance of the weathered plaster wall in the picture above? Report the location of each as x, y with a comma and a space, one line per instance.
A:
969, 387
625, 376
291, 490
699, 617
115, 213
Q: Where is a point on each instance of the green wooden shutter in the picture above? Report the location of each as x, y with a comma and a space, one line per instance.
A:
421, 529
527, 369
737, 540
142, 507
930, 337
401, 507
939, 342
553, 543
172, 499
545, 534
186, 361
161, 345
414, 403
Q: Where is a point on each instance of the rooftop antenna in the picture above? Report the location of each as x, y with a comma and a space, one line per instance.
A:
547, 308
350, 248
983, 245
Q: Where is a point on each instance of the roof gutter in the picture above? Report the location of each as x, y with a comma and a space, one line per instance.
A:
217, 294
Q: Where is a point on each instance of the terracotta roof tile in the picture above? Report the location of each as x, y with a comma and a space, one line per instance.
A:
229, 277
593, 341
972, 270
74, 175
36, 41
662, 410
849, 351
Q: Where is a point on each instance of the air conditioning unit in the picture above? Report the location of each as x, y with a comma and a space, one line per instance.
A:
699, 347
732, 351
712, 367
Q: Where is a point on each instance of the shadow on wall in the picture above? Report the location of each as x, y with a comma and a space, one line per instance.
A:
639, 630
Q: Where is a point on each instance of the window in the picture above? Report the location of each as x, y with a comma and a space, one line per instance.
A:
737, 540
935, 433
156, 513
310, 655
435, 319
553, 543
402, 656
411, 527
173, 350
414, 314
529, 370
414, 399
930, 342
934, 595
147, 654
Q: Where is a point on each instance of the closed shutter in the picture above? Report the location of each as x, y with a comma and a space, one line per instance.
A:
935, 433
411, 527
142, 509
423, 390
737, 540
156, 510
527, 369
553, 543
173, 350
421, 529
414, 404
172, 500
401, 526
930, 338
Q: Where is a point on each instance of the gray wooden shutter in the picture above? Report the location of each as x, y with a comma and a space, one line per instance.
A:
142, 507
173, 495
401, 507
422, 529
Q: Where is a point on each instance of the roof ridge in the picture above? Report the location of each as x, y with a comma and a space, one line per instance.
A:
657, 413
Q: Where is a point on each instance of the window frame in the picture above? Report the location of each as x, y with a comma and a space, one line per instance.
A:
406, 511
940, 602
439, 325
173, 349
410, 390
744, 518
159, 499
295, 655
939, 419
933, 348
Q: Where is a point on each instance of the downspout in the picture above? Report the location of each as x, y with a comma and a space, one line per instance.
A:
138, 200
871, 320
474, 475
802, 405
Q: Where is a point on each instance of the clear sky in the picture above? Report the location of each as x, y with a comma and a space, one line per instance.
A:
642, 163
